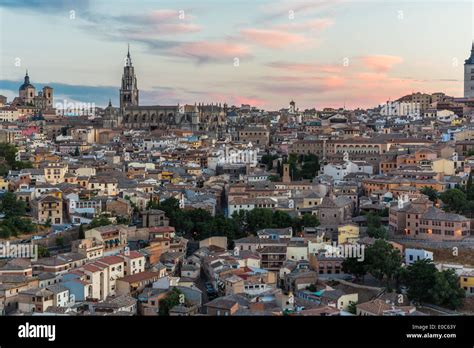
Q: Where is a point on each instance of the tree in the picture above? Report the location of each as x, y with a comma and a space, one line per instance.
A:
419, 278
274, 178
383, 260
43, 251
60, 242
430, 192
354, 266
81, 234
352, 308
455, 200
102, 220
306, 220
8, 151
77, 153
171, 300
10, 206
470, 188
446, 290
259, 218
377, 232
427, 285
374, 226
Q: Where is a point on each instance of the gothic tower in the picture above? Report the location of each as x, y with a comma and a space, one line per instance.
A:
469, 75
129, 89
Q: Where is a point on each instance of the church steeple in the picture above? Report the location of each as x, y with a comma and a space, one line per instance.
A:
129, 90
27, 78
128, 61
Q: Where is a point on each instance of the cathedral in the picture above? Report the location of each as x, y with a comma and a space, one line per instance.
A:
43, 101
206, 117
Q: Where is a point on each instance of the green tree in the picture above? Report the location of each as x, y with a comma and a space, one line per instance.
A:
274, 178
60, 242
99, 221
455, 200
430, 192
306, 220
43, 251
470, 188
377, 232
419, 279
259, 218
446, 291
354, 266
383, 260
10, 206
8, 151
81, 234
352, 308
171, 300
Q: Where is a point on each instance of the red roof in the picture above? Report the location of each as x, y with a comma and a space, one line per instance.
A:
111, 260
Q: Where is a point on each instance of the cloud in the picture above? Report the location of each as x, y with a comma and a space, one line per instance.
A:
272, 38
158, 22
211, 51
380, 63
282, 8
46, 6
313, 25
306, 68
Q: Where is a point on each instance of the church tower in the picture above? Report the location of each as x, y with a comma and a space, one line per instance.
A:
469, 75
129, 89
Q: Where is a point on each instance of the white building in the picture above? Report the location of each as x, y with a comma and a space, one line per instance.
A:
9, 114
446, 116
338, 170
413, 255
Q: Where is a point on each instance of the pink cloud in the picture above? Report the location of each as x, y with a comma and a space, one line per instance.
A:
206, 51
238, 100
163, 22
306, 68
313, 25
272, 38
381, 63
332, 82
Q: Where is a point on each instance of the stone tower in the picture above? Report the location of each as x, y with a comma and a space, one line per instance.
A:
469, 75
27, 91
129, 89
286, 173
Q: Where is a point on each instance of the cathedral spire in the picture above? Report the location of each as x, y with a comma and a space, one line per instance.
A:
128, 60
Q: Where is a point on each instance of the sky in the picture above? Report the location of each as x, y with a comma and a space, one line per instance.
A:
336, 53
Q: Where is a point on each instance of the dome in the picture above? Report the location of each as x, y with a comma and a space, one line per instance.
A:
26, 84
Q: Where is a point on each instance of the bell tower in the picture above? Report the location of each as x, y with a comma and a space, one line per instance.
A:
129, 89
469, 75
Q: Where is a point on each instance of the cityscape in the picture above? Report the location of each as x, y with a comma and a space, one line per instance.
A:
301, 189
